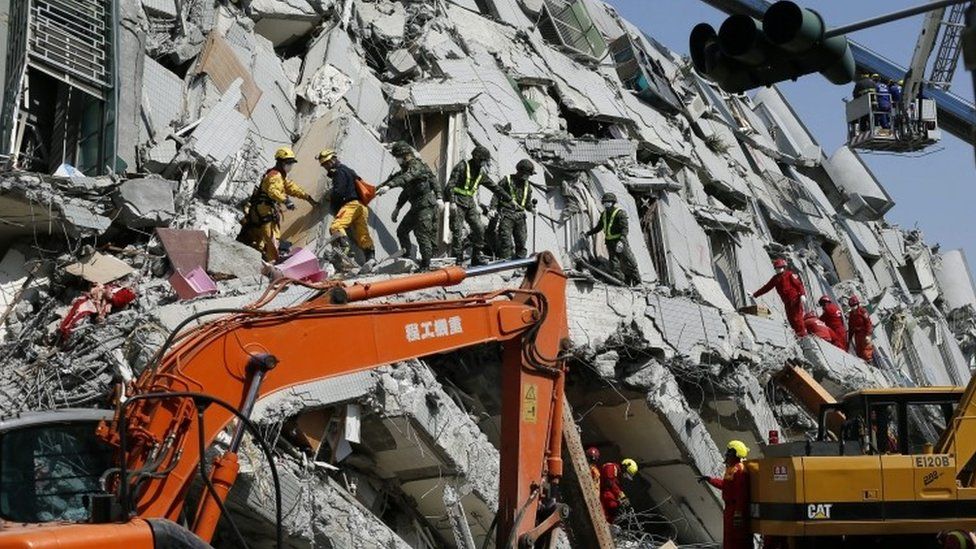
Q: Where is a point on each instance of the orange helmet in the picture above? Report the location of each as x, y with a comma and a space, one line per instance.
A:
593, 454
779, 263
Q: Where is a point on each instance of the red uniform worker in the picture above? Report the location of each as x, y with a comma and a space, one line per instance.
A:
790, 289
593, 457
612, 496
735, 495
834, 319
861, 329
817, 327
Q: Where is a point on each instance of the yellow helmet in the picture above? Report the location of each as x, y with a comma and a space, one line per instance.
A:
630, 466
875, 76
326, 155
741, 450
284, 153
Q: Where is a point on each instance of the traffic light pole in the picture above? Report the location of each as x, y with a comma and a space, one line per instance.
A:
898, 15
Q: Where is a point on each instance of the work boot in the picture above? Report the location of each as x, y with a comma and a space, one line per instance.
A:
425, 264
370, 263
459, 259
343, 246
478, 259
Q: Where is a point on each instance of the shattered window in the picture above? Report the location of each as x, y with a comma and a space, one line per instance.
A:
568, 24
791, 194
46, 471
726, 266
653, 235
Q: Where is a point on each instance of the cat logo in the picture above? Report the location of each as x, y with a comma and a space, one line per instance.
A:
819, 511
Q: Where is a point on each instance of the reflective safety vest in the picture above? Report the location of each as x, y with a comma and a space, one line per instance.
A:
470, 187
514, 193
608, 219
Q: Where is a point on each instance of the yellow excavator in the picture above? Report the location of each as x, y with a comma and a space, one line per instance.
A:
890, 468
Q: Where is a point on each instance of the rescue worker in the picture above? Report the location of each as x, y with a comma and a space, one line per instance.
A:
897, 91
884, 102
593, 458
833, 317
262, 218
349, 212
421, 189
817, 327
735, 495
864, 85
790, 289
613, 223
461, 192
860, 329
512, 225
612, 496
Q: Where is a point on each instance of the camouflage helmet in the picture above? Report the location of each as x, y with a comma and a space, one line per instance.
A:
525, 166
401, 148
609, 197
481, 154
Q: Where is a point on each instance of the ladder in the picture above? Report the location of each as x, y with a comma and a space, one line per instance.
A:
948, 57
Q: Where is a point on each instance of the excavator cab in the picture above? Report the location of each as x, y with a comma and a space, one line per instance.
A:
876, 123
890, 421
50, 465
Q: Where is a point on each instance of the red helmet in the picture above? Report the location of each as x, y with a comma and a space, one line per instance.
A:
853, 301
610, 471
779, 263
810, 314
593, 454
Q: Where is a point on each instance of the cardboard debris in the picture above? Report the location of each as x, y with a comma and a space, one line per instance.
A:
100, 268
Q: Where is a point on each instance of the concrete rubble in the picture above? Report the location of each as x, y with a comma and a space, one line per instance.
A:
715, 186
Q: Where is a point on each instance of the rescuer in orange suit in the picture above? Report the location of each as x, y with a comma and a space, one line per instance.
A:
833, 317
790, 289
817, 327
612, 496
861, 328
593, 458
735, 495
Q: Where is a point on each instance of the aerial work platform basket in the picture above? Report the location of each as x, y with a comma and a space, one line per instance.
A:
903, 128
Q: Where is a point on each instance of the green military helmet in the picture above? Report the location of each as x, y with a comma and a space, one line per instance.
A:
481, 154
609, 197
525, 166
401, 148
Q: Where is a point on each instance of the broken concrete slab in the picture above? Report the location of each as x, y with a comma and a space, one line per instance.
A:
146, 202
228, 258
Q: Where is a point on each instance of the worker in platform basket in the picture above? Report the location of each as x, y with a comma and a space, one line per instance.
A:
863, 85
860, 329
262, 215
735, 495
350, 212
790, 289
614, 225
612, 496
833, 317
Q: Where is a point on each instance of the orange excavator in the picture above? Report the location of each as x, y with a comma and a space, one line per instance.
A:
206, 380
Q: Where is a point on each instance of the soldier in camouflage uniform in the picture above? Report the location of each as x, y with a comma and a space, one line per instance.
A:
421, 189
461, 192
613, 223
512, 225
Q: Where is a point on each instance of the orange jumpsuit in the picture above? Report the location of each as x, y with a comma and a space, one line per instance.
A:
862, 328
790, 289
735, 495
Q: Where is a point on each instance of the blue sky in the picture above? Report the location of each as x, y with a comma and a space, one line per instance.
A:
936, 192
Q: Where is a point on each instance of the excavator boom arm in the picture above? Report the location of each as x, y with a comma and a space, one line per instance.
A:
321, 339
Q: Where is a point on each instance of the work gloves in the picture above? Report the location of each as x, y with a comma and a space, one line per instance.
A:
312, 202
702, 479
619, 247
289, 204
396, 215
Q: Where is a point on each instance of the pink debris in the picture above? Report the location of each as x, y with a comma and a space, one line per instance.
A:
99, 301
193, 284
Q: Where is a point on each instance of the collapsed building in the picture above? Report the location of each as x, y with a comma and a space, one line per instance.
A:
132, 150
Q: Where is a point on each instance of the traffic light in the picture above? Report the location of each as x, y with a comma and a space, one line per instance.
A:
788, 43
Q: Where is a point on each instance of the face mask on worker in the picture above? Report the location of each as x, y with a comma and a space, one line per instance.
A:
780, 269
608, 205
402, 160
287, 167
